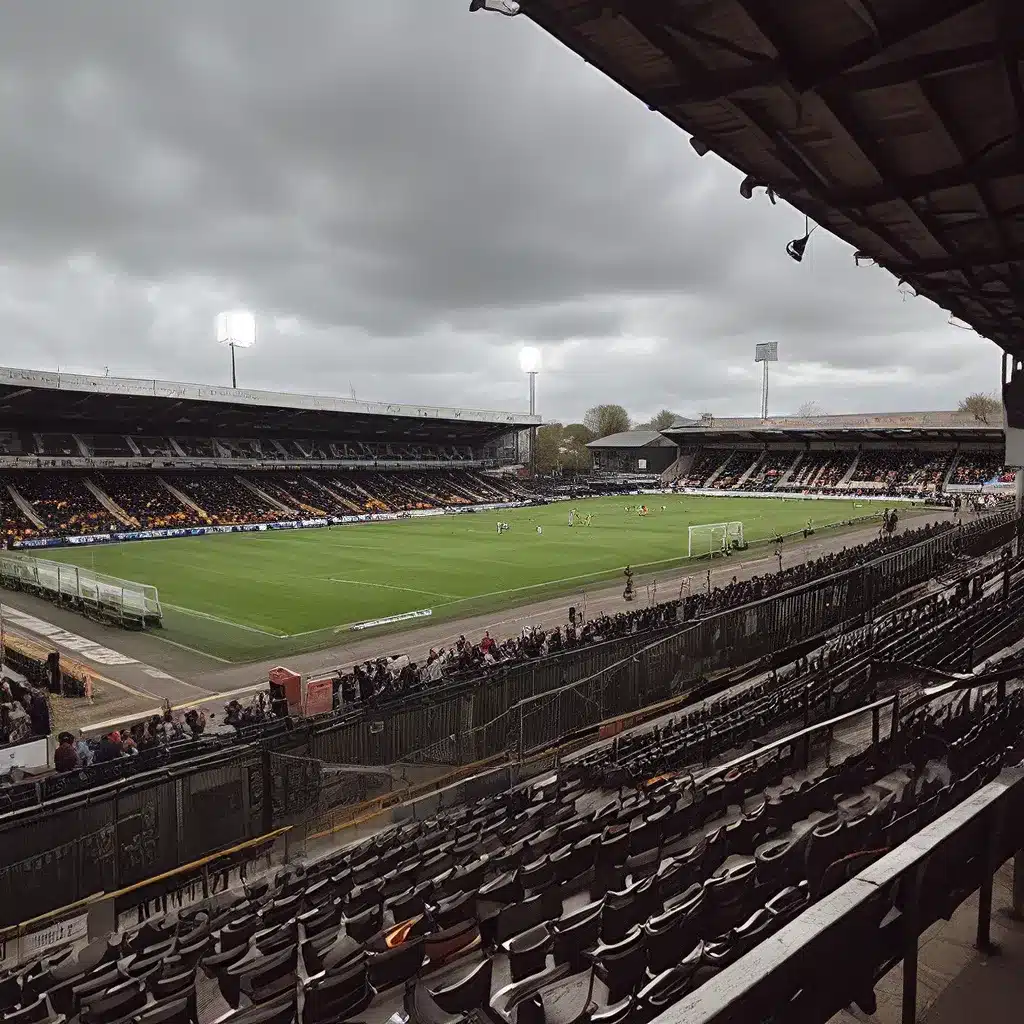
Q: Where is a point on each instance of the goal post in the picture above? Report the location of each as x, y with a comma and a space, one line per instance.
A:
714, 538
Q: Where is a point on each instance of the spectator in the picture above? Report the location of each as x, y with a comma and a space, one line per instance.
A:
109, 748
65, 757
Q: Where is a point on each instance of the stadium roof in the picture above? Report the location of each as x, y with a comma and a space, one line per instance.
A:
859, 427
35, 399
896, 124
633, 439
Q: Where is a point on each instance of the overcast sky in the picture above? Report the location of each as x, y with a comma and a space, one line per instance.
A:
405, 194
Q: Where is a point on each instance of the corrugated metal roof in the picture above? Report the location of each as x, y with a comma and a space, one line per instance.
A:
633, 439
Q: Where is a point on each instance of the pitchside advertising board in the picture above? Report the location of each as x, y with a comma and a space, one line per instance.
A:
300, 524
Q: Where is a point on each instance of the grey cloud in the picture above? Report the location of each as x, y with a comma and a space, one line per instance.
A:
422, 191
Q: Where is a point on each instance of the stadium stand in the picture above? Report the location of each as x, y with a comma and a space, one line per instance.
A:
87, 455
738, 463
62, 503
145, 499
975, 468
607, 890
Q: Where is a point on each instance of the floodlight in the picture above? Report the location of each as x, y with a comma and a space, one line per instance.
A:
510, 8
529, 359
236, 328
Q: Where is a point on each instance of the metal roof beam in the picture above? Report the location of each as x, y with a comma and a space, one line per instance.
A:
714, 85
1009, 162
960, 262
837, 101
807, 75
645, 18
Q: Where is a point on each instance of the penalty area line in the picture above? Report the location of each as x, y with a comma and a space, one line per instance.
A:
225, 622
390, 586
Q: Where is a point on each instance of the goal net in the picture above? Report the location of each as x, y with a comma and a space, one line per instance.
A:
714, 539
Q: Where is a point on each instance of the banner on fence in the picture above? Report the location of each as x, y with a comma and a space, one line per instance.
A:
291, 524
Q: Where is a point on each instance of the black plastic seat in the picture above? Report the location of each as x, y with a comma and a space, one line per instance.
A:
278, 1011
470, 991
181, 1010
675, 930
338, 995
365, 924
504, 889
114, 1003
506, 999
520, 917
567, 1000
459, 907
621, 965
395, 965
38, 1010
527, 952
457, 940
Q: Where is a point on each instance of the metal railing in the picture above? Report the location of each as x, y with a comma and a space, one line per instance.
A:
858, 933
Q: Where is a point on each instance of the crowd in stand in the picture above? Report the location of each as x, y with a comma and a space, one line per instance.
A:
65, 503
389, 678
896, 472
977, 468
74, 753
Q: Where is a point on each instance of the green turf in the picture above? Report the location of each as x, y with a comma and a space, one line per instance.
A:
242, 597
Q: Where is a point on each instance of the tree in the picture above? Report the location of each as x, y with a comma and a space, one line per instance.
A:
549, 439
662, 421
577, 456
603, 420
808, 410
580, 432
981, 406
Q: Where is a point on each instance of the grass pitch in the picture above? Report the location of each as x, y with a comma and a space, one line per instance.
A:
243, 597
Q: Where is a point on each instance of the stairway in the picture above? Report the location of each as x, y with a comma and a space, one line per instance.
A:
302, 506
109, 504
848, 475
789, 472
679, 468
718, 472
26, 509
263, 496
949, 473
178, 450
81, 446
754, 466
184, 498
340, 499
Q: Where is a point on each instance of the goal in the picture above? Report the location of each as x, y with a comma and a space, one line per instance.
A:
713, 538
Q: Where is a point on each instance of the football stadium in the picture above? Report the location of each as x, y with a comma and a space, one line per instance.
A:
317, 710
